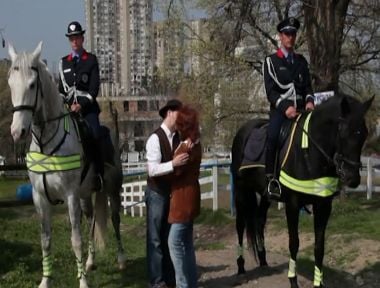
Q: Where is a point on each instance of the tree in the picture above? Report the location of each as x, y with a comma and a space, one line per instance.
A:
340, 37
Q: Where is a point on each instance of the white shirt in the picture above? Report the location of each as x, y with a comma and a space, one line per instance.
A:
153, 154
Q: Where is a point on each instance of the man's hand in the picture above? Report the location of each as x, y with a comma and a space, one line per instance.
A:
291, 112
75, 107
309, 106
180, 159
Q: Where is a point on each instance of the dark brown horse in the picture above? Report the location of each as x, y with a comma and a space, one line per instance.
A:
323, 148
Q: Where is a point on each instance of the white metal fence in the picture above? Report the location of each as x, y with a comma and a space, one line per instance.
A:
133, 193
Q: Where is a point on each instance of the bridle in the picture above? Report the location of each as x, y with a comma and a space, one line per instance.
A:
338, 160
38, 88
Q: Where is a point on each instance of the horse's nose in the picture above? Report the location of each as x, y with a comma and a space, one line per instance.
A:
22, 132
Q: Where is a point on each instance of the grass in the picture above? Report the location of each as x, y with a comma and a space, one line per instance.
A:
354, 215
20, 261
8, 187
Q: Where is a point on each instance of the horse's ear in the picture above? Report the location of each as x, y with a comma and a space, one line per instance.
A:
345, 108
12, 52
37, 52
367, 104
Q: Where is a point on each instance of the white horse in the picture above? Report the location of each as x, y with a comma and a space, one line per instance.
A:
55, 161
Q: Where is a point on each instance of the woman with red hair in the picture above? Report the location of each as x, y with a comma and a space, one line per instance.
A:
185, 200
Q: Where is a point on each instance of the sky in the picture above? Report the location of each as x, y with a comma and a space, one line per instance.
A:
26, 22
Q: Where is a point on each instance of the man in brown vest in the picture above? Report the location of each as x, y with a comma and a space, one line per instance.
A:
160, 148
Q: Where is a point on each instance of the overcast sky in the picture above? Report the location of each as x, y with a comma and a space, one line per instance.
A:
26, 22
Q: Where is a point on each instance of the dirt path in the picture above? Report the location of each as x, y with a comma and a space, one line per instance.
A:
218, 267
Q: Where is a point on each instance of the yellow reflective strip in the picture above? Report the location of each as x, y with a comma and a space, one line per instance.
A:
290, 142
305, 138
38, 162
47, 266
251, 166
325, 186
66, 123
318, 277
292, 268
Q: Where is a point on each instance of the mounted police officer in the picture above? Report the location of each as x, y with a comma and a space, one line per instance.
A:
79, 83
288, 89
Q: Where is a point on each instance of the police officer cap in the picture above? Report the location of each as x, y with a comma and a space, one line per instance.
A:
288, 25
74, 28
172, 105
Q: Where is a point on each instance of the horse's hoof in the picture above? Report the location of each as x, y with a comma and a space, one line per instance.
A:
83, 283
262, 258
293, 282
45, 282
122, 266
240, 263
122, 261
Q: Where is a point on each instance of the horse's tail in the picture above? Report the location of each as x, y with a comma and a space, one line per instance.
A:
100, 219
247, 208
246, 202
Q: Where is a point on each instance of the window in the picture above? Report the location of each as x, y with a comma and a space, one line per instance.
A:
153, 105
138, 129
126, 106
142, 106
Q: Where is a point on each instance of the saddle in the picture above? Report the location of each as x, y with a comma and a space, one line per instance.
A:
254, 148
90, 144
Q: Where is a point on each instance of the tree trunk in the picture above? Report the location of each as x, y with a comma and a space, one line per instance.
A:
324, 22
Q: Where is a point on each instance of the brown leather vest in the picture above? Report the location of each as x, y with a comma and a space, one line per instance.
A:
161, 184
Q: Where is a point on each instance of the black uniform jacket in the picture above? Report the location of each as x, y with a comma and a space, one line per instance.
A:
297, 72
84, 75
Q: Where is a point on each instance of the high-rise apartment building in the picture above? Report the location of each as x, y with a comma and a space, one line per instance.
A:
119, 32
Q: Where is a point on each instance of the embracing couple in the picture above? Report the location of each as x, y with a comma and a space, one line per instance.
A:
173, 197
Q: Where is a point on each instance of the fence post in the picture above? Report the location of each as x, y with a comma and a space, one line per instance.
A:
215, 186
369, 178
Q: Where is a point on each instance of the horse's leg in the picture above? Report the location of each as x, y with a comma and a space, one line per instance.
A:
263, 211
88, 211
43, 209
292, 217
76, 239
322, 211
240, 226
115, 202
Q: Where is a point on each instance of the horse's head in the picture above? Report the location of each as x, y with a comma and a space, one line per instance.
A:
25, 88
352, 132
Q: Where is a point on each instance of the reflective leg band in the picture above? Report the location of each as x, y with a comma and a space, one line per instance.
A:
47, 266
292, 268
318, 277
81, 271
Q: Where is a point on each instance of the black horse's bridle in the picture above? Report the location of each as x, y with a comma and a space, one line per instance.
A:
38, 88
338, 160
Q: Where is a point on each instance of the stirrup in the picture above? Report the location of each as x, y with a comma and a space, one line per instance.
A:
274, 189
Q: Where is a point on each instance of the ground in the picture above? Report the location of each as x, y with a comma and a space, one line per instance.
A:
217, 263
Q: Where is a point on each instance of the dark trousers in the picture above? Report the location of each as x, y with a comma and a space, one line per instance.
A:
92, 120
276, 119
160, 266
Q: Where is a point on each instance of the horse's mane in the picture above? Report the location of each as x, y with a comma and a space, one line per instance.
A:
332, 106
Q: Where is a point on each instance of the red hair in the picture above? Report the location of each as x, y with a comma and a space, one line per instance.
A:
188, 123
